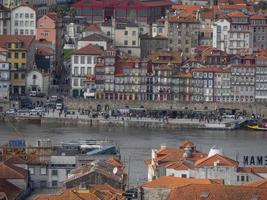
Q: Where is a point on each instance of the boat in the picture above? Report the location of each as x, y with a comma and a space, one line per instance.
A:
259, 127
88, 147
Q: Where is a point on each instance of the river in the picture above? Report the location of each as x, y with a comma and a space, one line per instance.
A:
136, 143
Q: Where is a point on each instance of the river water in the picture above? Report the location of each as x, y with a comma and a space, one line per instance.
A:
136, 143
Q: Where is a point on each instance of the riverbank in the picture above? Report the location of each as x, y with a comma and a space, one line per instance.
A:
144, 122
250, 108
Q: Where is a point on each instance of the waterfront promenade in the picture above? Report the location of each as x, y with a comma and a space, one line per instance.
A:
76, 118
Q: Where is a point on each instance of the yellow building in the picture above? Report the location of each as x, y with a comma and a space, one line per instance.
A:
21, 50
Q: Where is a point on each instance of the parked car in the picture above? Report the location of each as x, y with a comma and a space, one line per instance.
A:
11, 111
34, 112
59, 106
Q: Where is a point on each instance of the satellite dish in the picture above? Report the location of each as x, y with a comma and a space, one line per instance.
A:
115, 170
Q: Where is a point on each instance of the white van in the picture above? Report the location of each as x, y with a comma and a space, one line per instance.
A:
59, 106
33, 93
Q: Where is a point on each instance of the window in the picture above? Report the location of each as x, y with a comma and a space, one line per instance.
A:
134, 43
26, 15
134, 33
125, 32
82, 59
16, 55
9, 55
75, 82
22, 76
184, 176
54, 183
125, 42
89, 70
31, 15
32, 23
16, 75
242, 178
43, 171
76, 59
108, 33
76, 71
31, 170
95, 59
21, 32
89, 59
21, 15
54, 172
23, 55
32, 32
82, 71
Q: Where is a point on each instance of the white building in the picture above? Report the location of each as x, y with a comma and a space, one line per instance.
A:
58, 169
187, 162
261, 79
160, 28
220, 34
125, 34
23, 20
83, 63
96, 40
37, 81
5, 19
4, 74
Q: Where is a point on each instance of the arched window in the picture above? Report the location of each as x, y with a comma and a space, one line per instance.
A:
34, 77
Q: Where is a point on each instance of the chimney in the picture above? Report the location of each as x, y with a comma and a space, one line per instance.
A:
163, 146
153, 157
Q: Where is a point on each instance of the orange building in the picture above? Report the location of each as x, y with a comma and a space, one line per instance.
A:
49, 28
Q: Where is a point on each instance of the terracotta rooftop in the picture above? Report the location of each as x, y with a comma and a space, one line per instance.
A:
171, 182
96, 37
25, 39
88, 50
260, 17
237, 14
11, 191
9, 171
219, 159
93, 28
217, 192
184, 74
92, 192
255, 170
262, 183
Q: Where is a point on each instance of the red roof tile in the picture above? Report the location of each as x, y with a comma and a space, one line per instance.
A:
10, 171
219, 159
217, 192
89, 50
262, 183
10, 190
237, 14
25, 39
171, 182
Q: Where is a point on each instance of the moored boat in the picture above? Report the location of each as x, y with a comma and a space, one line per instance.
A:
259, 127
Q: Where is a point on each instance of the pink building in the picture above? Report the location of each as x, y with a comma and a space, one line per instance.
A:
49, 28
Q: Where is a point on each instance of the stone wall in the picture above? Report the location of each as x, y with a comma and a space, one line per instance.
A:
92, 104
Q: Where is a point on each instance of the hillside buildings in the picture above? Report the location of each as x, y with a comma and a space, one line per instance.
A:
23, 20
187, 162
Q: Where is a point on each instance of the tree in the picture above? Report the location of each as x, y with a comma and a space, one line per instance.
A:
72, 12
